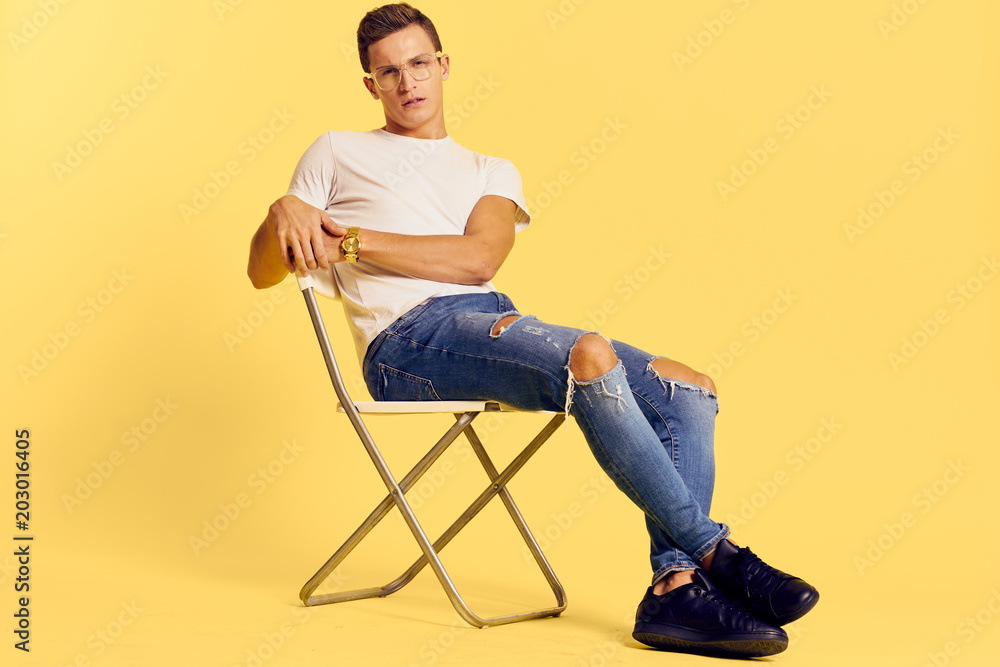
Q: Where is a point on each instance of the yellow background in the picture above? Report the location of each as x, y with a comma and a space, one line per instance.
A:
533, 82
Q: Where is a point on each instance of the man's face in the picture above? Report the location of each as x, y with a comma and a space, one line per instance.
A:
413, 108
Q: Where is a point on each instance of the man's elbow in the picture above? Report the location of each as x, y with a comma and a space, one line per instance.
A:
259, 280
484, 261
255, 279
483, 271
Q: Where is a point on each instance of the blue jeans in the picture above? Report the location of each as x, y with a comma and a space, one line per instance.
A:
652, 435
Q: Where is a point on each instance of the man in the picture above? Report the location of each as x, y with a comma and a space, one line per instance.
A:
413, 256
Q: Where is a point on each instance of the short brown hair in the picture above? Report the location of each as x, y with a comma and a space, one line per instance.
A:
387, 19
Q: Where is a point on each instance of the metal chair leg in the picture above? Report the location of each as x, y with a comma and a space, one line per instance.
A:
431, 551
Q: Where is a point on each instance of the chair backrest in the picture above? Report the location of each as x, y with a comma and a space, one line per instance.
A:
324, 283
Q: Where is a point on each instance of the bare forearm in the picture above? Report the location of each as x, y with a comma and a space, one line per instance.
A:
465, 260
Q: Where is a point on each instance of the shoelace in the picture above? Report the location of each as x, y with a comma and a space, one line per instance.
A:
760, 578
720, 599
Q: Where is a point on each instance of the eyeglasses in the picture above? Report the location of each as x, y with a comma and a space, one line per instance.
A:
387, 78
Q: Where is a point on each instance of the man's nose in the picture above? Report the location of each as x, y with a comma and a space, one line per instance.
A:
406, 79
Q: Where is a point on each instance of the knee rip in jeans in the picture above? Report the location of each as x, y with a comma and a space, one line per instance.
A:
696, 381
598, 378
504, 321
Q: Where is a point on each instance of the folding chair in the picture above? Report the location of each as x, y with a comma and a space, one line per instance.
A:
465, 412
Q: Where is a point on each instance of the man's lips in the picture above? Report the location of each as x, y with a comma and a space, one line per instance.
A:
415, 102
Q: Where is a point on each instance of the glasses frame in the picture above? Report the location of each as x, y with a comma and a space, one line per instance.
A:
405, 66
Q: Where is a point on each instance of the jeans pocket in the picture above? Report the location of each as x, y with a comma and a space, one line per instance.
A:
403, 323
396, 385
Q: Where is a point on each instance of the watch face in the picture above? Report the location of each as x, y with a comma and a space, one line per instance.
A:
351, 244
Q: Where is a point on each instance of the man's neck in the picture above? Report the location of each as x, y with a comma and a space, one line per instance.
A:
430, 131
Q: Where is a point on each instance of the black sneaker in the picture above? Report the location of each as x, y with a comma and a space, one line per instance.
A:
767, 593
698, 618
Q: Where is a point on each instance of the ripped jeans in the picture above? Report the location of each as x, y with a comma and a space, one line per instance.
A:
653, 436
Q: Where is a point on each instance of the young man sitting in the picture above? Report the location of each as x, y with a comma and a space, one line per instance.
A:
413, 258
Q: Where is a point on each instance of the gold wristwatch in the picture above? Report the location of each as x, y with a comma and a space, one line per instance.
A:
351, 244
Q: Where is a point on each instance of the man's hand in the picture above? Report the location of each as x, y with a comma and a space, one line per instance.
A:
305, 235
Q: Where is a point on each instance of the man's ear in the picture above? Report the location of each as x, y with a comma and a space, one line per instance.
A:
370, 85
445, 67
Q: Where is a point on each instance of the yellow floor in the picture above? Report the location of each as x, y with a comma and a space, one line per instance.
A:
107, 608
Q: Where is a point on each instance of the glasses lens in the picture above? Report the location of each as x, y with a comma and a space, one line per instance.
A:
420, 67
387, 78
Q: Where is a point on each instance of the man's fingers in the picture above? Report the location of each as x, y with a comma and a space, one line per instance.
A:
298, 258
332, 228
319, 251
291, 262
288, 254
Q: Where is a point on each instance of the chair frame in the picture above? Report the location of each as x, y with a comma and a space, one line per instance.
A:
464, 412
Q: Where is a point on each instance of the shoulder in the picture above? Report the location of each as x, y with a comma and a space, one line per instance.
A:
491, 165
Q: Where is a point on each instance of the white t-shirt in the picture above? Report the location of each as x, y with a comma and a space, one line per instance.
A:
387, 182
